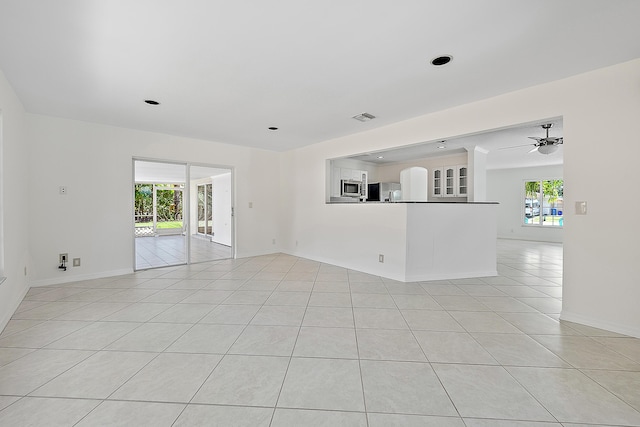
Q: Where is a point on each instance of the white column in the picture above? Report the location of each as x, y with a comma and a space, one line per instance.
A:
477, 158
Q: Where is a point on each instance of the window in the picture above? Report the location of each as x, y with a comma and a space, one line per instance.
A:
543, 203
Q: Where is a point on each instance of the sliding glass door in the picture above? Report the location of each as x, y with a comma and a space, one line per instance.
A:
182, 213
159, 214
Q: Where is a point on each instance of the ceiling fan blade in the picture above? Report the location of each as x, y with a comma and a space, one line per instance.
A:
537, 139
515, 146
533, 149
552, 140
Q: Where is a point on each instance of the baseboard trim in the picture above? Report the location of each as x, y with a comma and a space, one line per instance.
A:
600, 324
451, 276
399, 278
241, 255
7, 316
70, 279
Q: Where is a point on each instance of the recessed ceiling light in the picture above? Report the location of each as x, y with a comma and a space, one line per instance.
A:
273, 128
151, 102
381, 157
441, 60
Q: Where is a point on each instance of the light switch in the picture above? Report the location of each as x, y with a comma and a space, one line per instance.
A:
581, 208
250, 205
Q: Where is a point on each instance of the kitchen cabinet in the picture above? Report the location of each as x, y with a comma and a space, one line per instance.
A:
450, 181
353, 174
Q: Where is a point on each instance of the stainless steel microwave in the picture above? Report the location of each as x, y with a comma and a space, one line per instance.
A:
349, 188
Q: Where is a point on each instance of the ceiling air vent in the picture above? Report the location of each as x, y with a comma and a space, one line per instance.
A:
364, 117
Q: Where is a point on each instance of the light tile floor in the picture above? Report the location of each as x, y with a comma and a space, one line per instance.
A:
283, 341
162, 251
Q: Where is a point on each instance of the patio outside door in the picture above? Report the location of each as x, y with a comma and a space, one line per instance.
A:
205, 209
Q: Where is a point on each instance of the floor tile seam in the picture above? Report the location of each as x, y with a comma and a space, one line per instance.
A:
93, 302
593, 338
284, 377
520, 329
226, 353
149, 321
353, 317
146, 321
140, 370
65, 371
298, 408
22, 330
608, 390
125, 290
20, 398
530, 393
89, 323
484, 348
435, 373
532, 336
14, 360
45, 303
205, 381
293, 348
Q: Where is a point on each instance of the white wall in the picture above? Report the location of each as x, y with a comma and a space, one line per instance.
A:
14, 205
601, 268
222, 209
506, 186
94, 221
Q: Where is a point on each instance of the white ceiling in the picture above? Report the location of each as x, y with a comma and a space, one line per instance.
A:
226, 71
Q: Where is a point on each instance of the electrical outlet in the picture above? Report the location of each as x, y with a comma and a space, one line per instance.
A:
63, 258
76, 262
25, 270
381, 258
273, 241
250, 205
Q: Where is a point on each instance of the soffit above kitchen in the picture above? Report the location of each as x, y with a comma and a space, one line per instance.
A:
229, 71
511, 147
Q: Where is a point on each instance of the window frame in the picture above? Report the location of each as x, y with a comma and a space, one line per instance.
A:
541, 204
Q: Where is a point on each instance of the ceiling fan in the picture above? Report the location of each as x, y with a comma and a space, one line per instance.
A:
545, 145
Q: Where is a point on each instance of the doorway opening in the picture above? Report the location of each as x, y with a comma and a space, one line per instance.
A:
182, 213
211, 233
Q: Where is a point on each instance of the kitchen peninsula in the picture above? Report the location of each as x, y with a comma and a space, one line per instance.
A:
440, 226
418, 241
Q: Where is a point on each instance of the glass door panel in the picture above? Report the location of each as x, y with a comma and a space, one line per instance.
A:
205, 209
159, 214
209, 206
212, 238
201, 208
169, 209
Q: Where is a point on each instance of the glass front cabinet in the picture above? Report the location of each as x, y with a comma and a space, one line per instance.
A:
450, 181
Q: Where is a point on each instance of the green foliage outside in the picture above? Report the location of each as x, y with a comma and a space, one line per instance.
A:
553, 189
169, 205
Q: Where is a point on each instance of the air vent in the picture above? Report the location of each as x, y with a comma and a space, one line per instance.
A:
364, 117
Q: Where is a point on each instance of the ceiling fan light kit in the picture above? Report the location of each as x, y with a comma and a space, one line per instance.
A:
547, 149
548, 144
